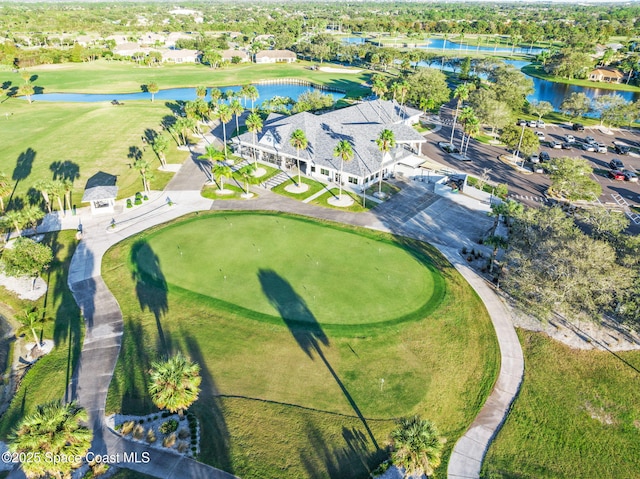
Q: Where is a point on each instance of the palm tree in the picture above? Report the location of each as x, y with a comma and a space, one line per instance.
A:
201, 91
55, 429
254, 125
385, 141
417, 446
497, 242
44, 187
215, 94
31, 215
236, 109
344, 150
462, 94
174, 384
299, 141
220, 171
471, 128
16, 219
160, 146
508, 209
29, 319
153, 89
67, 186
143, 167
244, 93
58, 191
379, 87
27, 91
253, 95
5, 187
223, 113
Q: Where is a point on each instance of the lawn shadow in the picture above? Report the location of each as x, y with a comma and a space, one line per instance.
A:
304, 328
151, 288
352, 459
215, 443
22, 170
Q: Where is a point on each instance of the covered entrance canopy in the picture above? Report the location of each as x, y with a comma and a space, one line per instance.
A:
101, 192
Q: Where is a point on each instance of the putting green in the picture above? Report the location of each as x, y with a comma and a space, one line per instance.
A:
276, 267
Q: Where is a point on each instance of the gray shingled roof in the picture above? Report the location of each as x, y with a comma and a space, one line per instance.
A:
360, 124
100, 193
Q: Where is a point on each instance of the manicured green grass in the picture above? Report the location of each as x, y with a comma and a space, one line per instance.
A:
356, 206
387, 188
85, 138
577, 416
314, 187
212, 191
245, 268
123, 77
48, 378
281, 398
536, 70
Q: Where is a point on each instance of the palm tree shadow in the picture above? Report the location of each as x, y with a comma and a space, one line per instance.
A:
22, 170
304, 328
151, 288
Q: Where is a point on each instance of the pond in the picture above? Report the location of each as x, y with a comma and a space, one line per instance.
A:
266, 92
442, 44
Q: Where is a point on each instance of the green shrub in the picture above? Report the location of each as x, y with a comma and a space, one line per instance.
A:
129, 203
169, 426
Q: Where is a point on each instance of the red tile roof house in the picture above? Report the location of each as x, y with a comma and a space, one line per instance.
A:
275, 56
608, 75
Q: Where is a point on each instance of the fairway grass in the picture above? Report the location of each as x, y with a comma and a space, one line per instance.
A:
294, 399
577, 416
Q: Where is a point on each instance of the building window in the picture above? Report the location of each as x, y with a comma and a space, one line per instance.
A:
324, 171
353, 180
313, 169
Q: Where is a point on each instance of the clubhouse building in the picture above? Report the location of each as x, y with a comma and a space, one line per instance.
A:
359, 124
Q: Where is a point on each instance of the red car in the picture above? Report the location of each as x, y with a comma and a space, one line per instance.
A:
616, 175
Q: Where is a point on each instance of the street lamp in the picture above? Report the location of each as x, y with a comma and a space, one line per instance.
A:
517, 152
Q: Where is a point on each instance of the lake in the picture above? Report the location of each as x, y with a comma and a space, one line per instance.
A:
266, 92
442, 44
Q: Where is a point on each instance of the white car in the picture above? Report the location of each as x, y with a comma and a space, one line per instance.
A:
541, 124
569, 138
535, 158
555, 144
533, 123
540, 136
601, 148
588, 147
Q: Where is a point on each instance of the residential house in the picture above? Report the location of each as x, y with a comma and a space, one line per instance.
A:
608, 75
180, 56
227, 55
360, 124
275, 56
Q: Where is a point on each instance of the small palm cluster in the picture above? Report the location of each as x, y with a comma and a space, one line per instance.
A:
175, 384
55, 429
416, 446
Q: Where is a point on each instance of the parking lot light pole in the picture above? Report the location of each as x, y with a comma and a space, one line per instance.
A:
517, 152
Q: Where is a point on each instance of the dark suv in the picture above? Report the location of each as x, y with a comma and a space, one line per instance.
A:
616, 164
578, 127
621, 149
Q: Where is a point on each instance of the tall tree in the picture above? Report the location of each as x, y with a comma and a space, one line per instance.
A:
160, 146
461, 93
299, 141
143, 167
5, 187
520, 139
416, 446
254, 125
201, 91
57, 430
344, 151
386, 141
174, 384
577, 104
30, 318
44, 187
26, 91
540, 108
26, 258
497, 242
152, 88
430, 84
571, 179
220, 171
253, 95
236, 109
223, 113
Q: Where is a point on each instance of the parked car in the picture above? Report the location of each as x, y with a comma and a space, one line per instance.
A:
616, 164
591, 140
588, 147
621, 149
535, 158
448, 147
566, 146
544, 156
541, 124
616, 175
555, 144
569, 138
630, 176
601, 148
521, 122
578, 127
533, 123
540, 136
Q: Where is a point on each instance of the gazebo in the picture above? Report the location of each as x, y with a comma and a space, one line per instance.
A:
100, 192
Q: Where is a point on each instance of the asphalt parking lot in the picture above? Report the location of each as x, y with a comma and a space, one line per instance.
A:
530, 188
